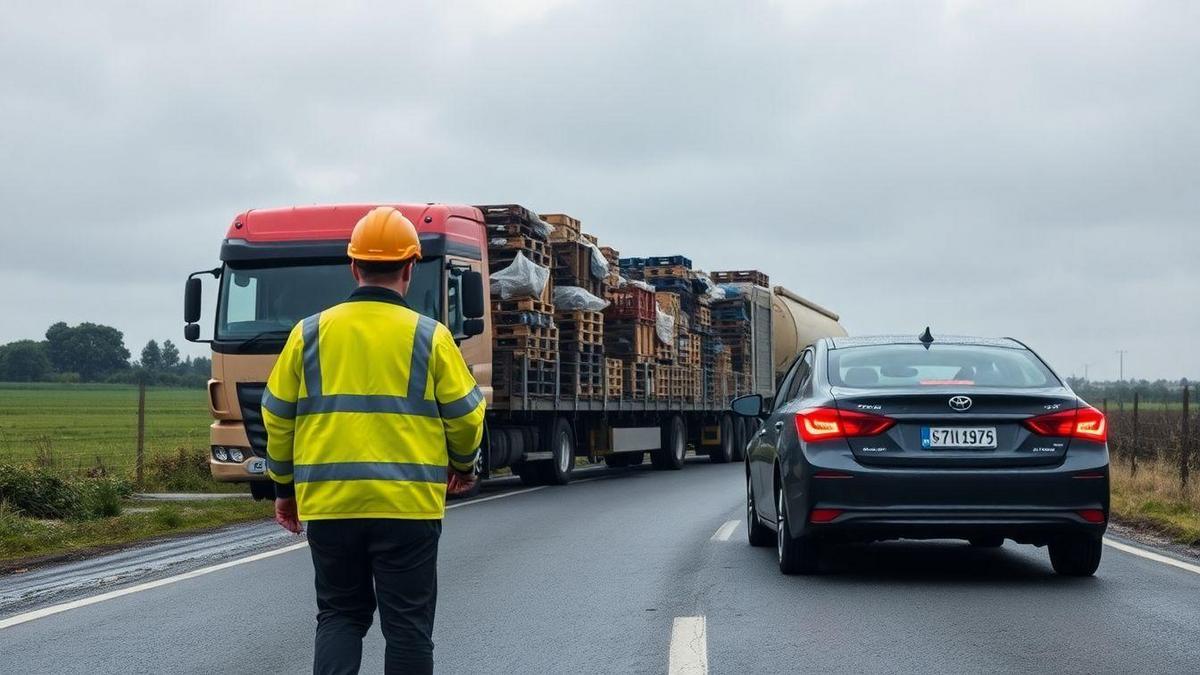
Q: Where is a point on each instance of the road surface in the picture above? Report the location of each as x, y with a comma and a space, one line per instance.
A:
633, 571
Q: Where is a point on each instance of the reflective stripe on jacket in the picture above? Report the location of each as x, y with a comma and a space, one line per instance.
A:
366, 407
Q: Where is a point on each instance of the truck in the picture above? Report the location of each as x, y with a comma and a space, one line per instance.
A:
554, 397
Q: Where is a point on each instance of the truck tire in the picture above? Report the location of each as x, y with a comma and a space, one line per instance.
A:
529, 473
636, 458
673, 447
562, 443
741, 435
723, 453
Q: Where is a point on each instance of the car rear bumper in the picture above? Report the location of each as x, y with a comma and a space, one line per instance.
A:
1029, 504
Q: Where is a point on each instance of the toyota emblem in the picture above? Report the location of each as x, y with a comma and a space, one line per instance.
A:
960, 403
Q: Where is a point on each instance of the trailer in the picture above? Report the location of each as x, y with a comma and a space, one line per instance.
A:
563, 383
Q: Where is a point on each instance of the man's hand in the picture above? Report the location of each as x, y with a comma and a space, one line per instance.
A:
287, 516
461, 483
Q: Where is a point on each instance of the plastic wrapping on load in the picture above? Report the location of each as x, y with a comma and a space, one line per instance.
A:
599, 262
569, 298
522, 279
711, 290
730, 291
664, 327
637, 283
545, 229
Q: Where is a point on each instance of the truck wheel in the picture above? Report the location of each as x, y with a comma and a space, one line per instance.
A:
741, 435
636, 458
562, 443
673, 446
723, 453
529, 473
262, 489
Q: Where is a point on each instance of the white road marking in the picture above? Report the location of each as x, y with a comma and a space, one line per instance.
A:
725, 531
689, 646
1150, 555
158, 583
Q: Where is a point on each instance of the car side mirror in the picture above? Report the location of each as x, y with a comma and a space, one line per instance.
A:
472, 297
750, 405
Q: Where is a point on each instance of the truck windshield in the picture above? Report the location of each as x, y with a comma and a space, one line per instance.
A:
257, 300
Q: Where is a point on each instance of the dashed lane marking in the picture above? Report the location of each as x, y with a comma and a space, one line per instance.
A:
726, 531
1151, 555
689, 646
166, 581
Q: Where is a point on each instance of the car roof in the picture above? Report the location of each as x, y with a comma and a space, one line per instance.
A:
875, 340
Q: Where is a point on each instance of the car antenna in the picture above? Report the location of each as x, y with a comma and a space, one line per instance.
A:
926, 338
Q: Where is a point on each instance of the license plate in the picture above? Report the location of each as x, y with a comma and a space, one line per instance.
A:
958, 437
257, 465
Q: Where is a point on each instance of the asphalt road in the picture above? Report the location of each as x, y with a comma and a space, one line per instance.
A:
628, 571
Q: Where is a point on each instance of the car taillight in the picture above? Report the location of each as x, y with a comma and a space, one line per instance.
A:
824, 424
1084, 423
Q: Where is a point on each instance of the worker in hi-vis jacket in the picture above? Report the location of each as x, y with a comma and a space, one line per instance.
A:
370, 411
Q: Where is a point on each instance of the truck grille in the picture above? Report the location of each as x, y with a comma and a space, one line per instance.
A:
250, 399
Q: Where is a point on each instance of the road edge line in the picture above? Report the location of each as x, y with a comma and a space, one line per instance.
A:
1151, 555
725, 531
18, 619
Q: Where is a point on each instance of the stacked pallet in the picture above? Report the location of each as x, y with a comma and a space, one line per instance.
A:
742, 277
630, 337
525, 338
614, 377
581, 350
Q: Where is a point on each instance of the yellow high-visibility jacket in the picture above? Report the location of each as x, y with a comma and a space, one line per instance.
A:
368, 405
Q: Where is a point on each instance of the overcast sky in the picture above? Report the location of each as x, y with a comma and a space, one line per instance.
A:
1026, 169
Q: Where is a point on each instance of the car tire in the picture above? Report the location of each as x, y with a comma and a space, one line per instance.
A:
796, 555
723, 453
986, 542
1076, 556
673, 446
562, 443
757, 532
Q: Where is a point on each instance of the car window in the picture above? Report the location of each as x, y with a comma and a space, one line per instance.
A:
905, 365
786, 382
803, 374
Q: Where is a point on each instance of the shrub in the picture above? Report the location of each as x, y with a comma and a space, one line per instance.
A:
102, 497
37, 493
185, 471
168, 516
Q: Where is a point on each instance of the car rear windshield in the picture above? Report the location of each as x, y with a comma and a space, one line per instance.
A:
897, 366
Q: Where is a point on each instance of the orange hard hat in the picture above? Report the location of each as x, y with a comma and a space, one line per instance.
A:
384, 235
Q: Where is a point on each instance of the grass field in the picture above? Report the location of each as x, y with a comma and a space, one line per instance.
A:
74, 427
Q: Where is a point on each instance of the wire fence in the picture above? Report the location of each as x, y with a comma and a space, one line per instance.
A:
1147, 429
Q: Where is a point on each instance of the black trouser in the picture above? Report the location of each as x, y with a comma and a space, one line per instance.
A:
400, 557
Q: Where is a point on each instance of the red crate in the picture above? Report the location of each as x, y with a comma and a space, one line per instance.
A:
631, 302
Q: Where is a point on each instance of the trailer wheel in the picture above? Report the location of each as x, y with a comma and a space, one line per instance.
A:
742, 432
636, 458
562, 443
673, 447
723, 453
529, 473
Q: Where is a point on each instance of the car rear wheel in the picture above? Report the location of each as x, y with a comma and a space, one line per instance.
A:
1076, 556
796, 555
758, 533
723, 453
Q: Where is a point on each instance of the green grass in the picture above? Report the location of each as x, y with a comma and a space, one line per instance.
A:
1155, 499
22, 538
75, 427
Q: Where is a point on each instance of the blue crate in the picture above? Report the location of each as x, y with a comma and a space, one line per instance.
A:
631, 263
668, 260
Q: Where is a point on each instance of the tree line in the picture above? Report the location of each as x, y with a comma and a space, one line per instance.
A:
1164, 391
91, 352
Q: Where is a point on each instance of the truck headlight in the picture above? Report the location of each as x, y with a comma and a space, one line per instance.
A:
236, 455
220, 453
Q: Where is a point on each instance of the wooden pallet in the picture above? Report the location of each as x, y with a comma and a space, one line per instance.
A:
582, 375
614, 375
580, 326
499, 259
637, 379
519, 374
566, 228
522, 305
572, 266
741, 277
612, 255
630, 339
629, 302
667, 272
535, 341
523, 318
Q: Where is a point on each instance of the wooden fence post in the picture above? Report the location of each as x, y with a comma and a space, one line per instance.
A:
1184, 441
141, 430
1136, 445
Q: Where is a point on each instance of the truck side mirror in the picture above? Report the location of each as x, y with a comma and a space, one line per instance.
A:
191, 332
472, 327
472, 296
191, 301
